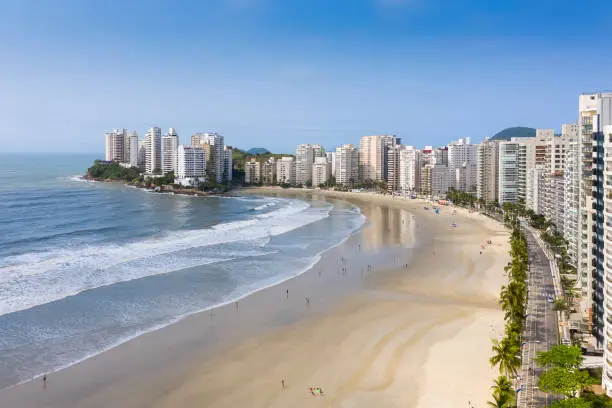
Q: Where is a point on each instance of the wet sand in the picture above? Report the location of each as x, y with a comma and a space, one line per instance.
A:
377, 333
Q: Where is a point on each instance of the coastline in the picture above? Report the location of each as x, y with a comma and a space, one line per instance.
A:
342, 310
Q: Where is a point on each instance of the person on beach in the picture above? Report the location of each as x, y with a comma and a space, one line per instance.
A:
308, 301
44, 378
283, 384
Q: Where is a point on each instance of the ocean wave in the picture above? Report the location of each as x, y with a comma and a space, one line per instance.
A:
33, 279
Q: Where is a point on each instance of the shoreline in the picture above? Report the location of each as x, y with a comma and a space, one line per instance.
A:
323, 308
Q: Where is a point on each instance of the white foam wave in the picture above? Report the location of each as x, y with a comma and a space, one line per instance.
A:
33, 279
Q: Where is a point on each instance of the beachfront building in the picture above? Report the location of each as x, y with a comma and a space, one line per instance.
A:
190, 165
373, 156
331, 158
115, 146
462, 165
305, 155
347, 164
508, 172
252, 172
142, 155
214, 146
321, 171
196, 139
169, 151
228, 163
285, 170
487, 183
571, 192
133, 150
409, 170
435, 180
153, 154
268, 171
594, 121
393, 167
554, 188
534, 197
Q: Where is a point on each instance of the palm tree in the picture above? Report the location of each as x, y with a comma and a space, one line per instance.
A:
499, 402
505, 354
502, 389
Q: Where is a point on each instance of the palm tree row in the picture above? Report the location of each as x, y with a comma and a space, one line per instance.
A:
513, 300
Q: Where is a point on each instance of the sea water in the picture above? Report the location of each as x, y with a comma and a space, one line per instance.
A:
85, 266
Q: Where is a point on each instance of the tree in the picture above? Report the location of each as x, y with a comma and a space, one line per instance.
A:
505, 354
564, 381
502, 389
572, 403
499, 402
569, 357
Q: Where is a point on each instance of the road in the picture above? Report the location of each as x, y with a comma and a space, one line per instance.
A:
541, 329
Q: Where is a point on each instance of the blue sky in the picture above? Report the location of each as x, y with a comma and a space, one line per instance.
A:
275, 73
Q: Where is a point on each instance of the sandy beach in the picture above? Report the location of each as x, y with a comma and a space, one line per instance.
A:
400, 315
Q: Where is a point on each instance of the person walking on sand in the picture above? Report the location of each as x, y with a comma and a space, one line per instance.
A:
307, 301
283, 384
44, 378
287, 293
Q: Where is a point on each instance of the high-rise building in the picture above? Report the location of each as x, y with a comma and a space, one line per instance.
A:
409, 169
393, 167
196, 139
331, 158
508, 172
191, 165
321, 171
268, 171
305, 155
556, 154
285, 170
228, 163
487, 184
214, 146
252, 172
347, 164
169, 151
571, 199
133, 142
373, 156
142, 155
153, 150
115, 146
534, 196
594, 121
435, 180
462, 165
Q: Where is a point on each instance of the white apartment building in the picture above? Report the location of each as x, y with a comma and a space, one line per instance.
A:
409, 169
268, 171
133, 152
321, 171
142, 155
153, 154
347, 164
191, 165
534, 197
487, 184
373, 156
228, 163
305, 155
393, 167
285, 170
252, 172
115, 146
571, 199
331, 158
462, 165
508, 172
169, 151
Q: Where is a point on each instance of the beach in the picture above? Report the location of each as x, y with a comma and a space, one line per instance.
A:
399, 315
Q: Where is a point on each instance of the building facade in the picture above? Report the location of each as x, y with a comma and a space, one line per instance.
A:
153, 156
373, 156
115, 146
347, 164
462, 165
508, 172
214, 146
321, 171
487, 184
409, 170
285, 170
268, 171
572, 193
305, 155
191, 165
252, 172
169, 151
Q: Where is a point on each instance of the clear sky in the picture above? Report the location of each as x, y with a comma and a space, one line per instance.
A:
275, 73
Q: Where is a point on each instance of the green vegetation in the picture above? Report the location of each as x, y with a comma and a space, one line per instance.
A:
239, 157
112, 171
461, 198
503, 393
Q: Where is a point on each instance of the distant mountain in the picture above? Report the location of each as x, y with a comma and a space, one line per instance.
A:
518, 131
258, 150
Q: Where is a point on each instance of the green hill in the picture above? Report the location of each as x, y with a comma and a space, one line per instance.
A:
518, 131
257, 150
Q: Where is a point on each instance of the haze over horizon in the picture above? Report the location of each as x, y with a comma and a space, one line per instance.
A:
273, 73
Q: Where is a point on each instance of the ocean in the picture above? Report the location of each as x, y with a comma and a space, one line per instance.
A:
86, 266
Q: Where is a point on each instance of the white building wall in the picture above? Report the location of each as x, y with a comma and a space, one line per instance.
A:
508, 172
347, 164
321, 171
252, 172
190, 166
285, 170
133, 137
409, 169
169, 151
228, 163
153, 150
487, 184
217, 154
462, 165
